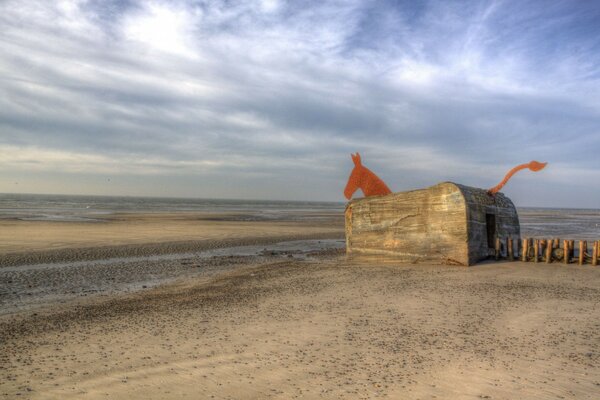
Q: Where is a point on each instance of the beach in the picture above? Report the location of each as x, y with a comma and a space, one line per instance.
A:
24, 241
269, 199
216, 307
43, 263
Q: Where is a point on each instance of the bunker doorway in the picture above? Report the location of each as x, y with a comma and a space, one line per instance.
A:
490, 224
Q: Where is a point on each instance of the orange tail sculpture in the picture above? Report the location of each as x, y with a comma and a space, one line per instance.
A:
363, 178
533, 166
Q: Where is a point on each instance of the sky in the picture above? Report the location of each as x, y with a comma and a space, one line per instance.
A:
266, 99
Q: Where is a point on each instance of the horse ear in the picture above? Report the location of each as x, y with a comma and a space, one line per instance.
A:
356, 159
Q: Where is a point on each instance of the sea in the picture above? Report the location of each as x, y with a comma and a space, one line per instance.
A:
535, 222
69, 208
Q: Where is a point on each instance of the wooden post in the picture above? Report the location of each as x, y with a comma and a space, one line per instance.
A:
525, 250
509, 249
566, 251
557, 243
595, 253
549, 249
581, 251
536, 249
497, 249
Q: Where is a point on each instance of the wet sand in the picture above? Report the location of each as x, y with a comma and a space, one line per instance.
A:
325, 327
121, 235
44, 263
34, 286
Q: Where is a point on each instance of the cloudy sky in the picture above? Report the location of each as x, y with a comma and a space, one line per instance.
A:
267, 99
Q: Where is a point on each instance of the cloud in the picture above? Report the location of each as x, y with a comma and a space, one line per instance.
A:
213, 90
41, 159
162, 28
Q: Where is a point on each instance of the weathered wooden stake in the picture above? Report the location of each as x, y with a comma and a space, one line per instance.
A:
536, 249
509, 249
566, 251
595, 253
549, 249
556, 243
581, 251
497, 249
525, 250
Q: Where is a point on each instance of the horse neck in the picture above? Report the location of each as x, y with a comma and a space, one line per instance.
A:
369, 178
371, 184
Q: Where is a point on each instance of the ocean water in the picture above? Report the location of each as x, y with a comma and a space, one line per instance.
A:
562, 223
29, 207
535, 222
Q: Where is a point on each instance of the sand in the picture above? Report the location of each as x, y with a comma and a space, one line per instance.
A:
46, 263
29, 287
143, 228
321, 327
157, 306
124, 235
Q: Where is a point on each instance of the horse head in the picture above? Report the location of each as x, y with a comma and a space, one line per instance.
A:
356, 177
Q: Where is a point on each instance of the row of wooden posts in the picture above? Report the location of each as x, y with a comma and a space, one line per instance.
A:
547, 250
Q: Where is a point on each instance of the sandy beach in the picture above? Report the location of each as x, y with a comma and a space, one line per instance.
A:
47, 263
123, 235
289, 321
269, 199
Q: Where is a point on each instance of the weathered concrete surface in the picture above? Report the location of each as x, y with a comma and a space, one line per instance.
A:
444, 224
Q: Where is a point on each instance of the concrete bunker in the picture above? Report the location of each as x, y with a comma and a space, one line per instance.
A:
447, 223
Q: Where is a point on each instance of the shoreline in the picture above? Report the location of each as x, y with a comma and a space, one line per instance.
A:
138, 252
122, 235
27, 287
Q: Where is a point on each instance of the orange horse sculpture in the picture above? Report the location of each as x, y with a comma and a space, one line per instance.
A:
364, 179
533, 166
371, 185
